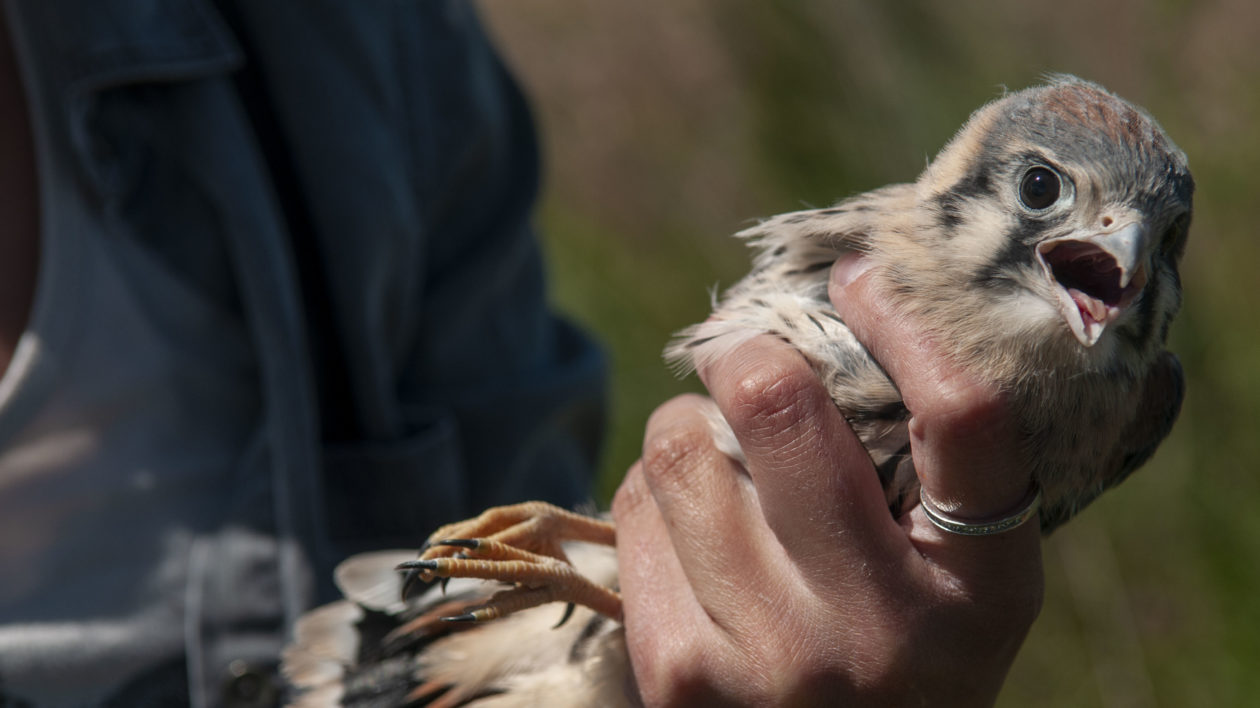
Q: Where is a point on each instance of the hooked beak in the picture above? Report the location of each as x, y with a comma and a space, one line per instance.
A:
1096, 277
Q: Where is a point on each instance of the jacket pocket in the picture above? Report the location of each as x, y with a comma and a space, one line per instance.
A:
386, 493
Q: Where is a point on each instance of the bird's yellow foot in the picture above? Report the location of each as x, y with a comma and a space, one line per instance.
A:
521, 545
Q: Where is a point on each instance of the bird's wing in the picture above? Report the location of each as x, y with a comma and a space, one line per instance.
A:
787, 287
786, 296
1157, 404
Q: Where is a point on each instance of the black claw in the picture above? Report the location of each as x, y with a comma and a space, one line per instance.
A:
417, 565
443, 585
568, 612
410, 578
472, 543
427, 545
466, 617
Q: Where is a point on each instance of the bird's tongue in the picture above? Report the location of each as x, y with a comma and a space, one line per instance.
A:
1091, 309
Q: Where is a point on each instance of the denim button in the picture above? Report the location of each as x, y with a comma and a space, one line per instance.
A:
249, 686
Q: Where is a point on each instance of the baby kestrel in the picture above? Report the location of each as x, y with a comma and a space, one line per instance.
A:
1040, 248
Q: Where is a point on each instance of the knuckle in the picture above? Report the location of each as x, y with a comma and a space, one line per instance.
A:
966, 411
680, 410
670, 449
668, 673
771, 400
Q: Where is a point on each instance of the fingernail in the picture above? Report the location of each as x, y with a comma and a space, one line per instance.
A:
848, 268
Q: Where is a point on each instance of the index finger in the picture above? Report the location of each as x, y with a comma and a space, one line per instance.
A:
816, 485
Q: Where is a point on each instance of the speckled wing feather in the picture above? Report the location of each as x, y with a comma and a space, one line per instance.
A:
376, 650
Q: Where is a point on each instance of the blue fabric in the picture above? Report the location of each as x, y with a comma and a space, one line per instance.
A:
350, 181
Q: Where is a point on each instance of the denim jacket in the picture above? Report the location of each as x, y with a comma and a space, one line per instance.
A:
342, 191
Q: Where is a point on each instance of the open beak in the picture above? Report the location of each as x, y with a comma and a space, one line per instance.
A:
1095, 277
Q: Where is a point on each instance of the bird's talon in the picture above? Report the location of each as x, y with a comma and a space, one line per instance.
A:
470, 543
568, 612
409, 580
419, 565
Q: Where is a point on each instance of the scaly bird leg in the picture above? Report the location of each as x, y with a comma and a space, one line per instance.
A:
521, 545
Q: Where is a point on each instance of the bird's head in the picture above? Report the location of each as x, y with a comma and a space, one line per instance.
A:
1068, 208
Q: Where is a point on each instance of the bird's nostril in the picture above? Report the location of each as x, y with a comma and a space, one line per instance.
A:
1107, 221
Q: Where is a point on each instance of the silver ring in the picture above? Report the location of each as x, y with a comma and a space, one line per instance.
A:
987, 527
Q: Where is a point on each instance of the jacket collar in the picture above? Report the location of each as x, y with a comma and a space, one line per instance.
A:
84, 46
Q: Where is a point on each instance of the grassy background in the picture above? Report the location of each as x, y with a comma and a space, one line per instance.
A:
669, 124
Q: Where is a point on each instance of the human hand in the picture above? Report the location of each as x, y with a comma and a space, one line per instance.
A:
792, 584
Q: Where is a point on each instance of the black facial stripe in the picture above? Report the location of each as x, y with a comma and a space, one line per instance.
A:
977, 183
1016, 252
949, 203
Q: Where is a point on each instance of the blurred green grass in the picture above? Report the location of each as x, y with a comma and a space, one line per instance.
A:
669, 124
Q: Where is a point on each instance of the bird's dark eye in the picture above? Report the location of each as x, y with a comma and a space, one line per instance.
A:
1040, 188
